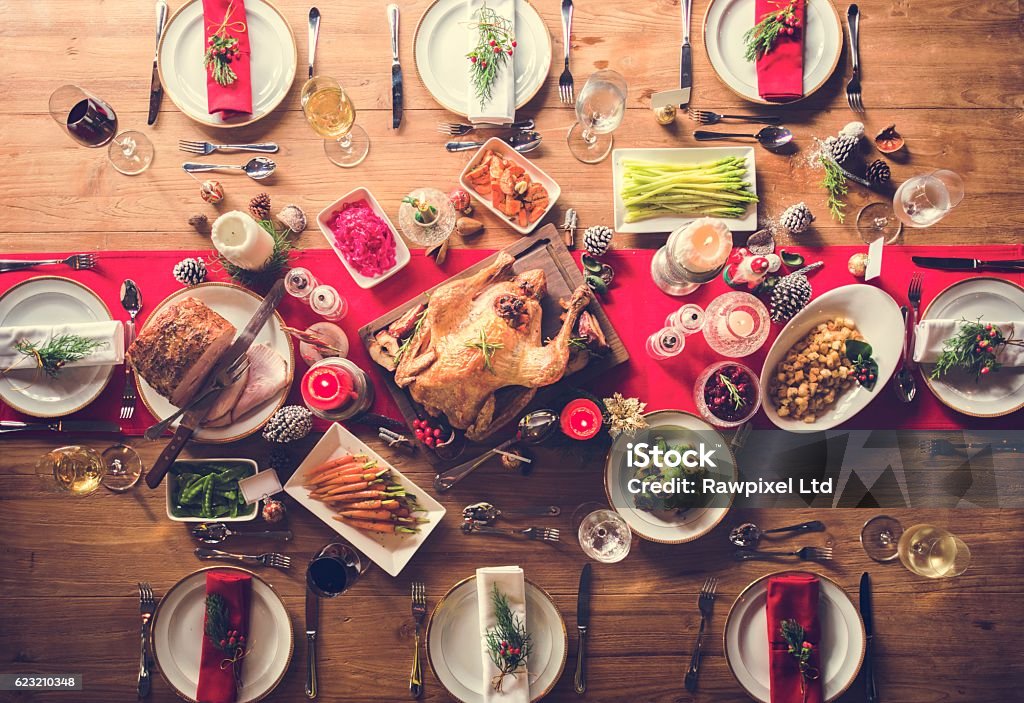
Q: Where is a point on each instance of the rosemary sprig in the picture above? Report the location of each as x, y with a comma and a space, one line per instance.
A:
761, 38
486, 348
58, 352
495, 46
508, 643
834, 181
974, 349
734, 392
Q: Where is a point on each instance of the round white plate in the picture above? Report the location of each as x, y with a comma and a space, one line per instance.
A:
746, 638
998, 393
273, 61
668, 527
237, 305
453, 642
177, 637
57, 300
726, 22
441, 44
878, 319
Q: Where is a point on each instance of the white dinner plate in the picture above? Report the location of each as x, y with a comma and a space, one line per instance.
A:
453, 642
678, 156
746, 638
177, 637
59, 301
726, 22
997, 393
237, 305
183, 75
663, 526
880, 322
389, 552
441, 44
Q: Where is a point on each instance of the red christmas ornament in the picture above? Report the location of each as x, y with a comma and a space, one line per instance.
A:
273, 510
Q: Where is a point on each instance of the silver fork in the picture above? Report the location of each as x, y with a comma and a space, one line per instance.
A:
543, 534
147, 606
709, 117
943, 447
914, 296
457, 129
853, 87
705, 601
206, 148
565, 85
804, 553
226, 378
277, 561
419, 613
79, 262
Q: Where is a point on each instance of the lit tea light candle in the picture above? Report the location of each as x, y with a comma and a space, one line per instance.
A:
327, 387
702, 246
581, 419
741, 322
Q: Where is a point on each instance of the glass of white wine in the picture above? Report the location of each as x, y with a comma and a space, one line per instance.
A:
330, 112
600, 107
933, 552
922, 201
76, 470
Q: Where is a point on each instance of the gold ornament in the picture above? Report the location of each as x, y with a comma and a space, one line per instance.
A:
665, 115
858, 264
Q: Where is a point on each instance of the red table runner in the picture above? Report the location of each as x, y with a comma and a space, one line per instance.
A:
634, 304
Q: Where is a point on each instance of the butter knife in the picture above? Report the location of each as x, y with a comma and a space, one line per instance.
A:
396, 69
312, 626
871, 689
582, 624
194, 417
156, 90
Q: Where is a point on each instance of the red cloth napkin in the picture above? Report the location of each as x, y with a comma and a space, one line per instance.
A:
216, 684
236, 97
793, 597
780, 72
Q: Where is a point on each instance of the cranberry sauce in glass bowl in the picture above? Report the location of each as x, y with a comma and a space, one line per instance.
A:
727, 393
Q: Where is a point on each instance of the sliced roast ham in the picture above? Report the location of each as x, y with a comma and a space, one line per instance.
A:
220, 413
268, 376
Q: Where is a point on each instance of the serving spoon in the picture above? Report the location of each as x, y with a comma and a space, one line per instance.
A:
257, 168
771, 138
523, 142
748, 534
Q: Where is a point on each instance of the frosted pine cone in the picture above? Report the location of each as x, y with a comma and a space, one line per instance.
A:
797, 218
597, 240
290, 423
190, 272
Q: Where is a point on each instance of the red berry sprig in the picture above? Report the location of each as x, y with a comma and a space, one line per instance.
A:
974, 348
761, 38
495, 46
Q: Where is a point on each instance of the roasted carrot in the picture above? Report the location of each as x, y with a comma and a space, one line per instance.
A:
376, 515
388, 504
334, 463
355, 477
361, 496
381, 527
350, 488
341, 475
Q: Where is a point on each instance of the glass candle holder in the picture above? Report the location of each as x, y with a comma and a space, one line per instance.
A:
336, 389
727, 393
426, 217
327, 302
693, 255
736, 324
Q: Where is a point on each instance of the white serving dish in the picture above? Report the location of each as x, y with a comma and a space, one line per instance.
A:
682, 155
172, 482
388, 551
505, 151
878, 319
402, 255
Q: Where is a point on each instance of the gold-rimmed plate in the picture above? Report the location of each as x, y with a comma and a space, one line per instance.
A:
453, 642
177, 636
842, 638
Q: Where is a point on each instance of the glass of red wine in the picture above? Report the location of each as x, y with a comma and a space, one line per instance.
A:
92, 122
334, 570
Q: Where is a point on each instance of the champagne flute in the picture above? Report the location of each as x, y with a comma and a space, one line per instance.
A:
922, 201
330, 113
600, 107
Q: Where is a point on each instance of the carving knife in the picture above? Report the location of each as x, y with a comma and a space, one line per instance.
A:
582, 623
60, 426
396, 69
156, 90
312, 626
680, 97
194, 417
871, 690
954, 263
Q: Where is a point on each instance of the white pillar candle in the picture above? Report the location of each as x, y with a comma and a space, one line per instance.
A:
241, 240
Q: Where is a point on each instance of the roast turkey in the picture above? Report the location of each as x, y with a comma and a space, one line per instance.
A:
478, 356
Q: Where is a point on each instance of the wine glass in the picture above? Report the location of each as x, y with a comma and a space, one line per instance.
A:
334, 570
880, 537
123, 468
74, 469
600, 107
931, 551
924, 200
330, 112
878, 220
604, 535
93, 123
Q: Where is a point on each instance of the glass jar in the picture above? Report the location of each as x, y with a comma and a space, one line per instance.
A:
714, 397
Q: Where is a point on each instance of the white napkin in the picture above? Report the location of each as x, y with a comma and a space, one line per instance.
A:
502, 107
110, 334
931, 335
510, 582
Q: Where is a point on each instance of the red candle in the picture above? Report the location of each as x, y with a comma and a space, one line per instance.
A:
327, 388
581, 419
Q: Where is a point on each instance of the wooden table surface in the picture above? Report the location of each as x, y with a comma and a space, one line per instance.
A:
948, 73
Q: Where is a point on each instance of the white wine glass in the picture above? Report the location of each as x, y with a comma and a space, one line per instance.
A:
330, 112
600, 107
933, 552
922, 201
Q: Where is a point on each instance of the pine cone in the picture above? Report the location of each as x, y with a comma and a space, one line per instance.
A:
879, 172
789, 296
190, 272
281, 460
797, 218
200, 222
260, 207
841, 147
597, 240
290, 423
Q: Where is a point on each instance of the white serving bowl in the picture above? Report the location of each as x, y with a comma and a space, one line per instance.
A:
171, 482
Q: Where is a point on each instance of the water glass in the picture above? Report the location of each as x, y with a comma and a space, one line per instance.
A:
924, 200
600, 107
604, 536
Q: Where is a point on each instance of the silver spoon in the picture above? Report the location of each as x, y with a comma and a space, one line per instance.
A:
748, 534
256, 168
771, 138
487, 512
523, 142
314, 34
217, 532
906, 387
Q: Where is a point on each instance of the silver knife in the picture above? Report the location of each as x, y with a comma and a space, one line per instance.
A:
60, 426
871, 690
955, 263
194, 417
314, 34
156, 91
685, 56
396, 69
312, 625
582, 623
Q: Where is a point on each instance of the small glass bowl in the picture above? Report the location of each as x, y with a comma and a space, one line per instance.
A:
705, 409
722, 331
